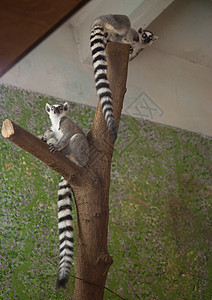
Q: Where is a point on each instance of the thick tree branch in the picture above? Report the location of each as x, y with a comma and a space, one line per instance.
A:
117, 59
93, 260
39, 149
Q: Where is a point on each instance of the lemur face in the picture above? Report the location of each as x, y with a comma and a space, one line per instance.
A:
146, 37
57, 110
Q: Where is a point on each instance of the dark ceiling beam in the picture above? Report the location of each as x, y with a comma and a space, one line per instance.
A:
26, 23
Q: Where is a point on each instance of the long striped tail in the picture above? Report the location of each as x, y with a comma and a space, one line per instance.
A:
65, 225
97, 45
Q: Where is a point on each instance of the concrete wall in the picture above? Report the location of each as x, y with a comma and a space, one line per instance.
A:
170, 83
176, 73
53, 68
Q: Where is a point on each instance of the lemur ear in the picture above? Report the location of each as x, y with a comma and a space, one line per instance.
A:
140, 30
65, 106
48, 107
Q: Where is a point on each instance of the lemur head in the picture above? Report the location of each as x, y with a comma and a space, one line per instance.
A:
57, 110
146, 37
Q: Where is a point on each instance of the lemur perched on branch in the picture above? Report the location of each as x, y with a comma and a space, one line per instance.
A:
65, 136
113, 28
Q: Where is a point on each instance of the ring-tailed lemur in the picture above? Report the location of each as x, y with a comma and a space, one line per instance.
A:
66, 137
113, 28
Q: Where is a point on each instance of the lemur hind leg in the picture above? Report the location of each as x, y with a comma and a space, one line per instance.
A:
77, 150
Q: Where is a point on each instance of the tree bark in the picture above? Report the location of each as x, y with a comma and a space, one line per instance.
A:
27, 141
90, 184
93, 260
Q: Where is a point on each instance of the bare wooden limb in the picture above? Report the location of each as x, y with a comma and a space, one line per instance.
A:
27, 141
93, 260
117, 59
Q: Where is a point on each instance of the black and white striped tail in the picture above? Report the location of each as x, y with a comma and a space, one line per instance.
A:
97, 44
65, 225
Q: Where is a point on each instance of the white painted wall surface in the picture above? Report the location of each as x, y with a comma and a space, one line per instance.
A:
176, 73
170, 83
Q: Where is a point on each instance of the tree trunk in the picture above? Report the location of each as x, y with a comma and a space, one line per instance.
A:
93, 260
90, 184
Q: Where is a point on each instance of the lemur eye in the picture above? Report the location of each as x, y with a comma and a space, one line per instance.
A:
52, 108
144, 35
61, 107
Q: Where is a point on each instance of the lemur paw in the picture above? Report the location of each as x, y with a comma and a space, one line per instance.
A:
44, 139
52, 148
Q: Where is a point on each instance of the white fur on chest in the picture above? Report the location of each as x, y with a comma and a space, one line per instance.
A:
55, 128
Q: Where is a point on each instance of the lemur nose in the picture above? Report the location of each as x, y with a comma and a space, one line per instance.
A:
147, 40
56, 110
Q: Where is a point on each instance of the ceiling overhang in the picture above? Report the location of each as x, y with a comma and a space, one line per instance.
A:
24, 24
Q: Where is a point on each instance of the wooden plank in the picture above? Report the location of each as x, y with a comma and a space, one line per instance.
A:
25, 23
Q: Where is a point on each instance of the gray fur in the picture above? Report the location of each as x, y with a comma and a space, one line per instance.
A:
113, 28
65, 136
116, 26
